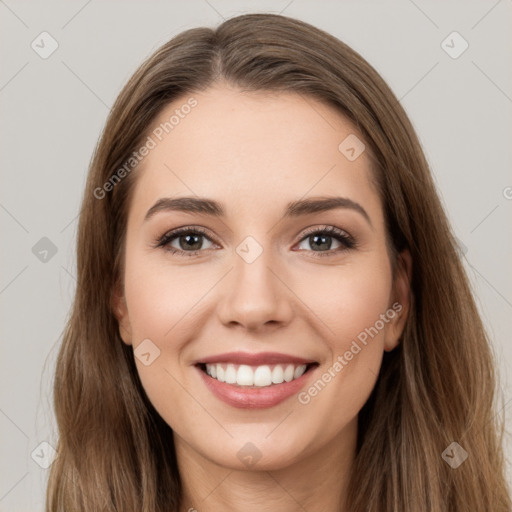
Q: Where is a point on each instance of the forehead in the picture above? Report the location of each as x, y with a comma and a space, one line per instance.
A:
252, 151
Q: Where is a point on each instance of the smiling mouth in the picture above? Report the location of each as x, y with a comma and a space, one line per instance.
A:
255, 376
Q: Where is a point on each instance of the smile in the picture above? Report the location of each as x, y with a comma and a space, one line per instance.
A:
245, 382
255, 376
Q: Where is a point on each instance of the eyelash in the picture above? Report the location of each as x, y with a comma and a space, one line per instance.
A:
341, 236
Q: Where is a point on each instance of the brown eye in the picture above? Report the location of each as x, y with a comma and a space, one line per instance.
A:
185, 241
191, 241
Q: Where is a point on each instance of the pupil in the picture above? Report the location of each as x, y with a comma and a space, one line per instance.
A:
322, 239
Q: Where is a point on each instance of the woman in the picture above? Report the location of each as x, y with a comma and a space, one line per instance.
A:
271, 311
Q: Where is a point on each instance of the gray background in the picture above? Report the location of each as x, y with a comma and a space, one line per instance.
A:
53, 110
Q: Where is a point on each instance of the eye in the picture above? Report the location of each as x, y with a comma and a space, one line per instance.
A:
184, 241
320, 239
189, 241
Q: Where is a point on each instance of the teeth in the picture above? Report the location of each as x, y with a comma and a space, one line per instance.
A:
259, 376
288, 373
277, 375
230, 374
245, 376
299, 371
262, 376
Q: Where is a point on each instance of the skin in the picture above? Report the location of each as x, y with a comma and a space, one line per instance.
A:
254, 153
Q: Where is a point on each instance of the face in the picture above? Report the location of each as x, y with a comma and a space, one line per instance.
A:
280, 285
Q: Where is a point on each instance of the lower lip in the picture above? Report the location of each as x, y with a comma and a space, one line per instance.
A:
246, 397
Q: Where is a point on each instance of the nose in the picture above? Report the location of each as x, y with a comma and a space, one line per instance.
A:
255, 296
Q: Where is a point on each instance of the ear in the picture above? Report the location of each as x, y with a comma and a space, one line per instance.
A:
120, 310
401, 300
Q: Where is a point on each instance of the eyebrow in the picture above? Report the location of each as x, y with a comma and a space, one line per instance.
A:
213, 208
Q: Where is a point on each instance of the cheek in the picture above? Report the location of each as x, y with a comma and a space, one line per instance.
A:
353, 310
161, 297
356, 306
350, 300
160, 303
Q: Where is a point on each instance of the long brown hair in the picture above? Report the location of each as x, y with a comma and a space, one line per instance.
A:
115, 453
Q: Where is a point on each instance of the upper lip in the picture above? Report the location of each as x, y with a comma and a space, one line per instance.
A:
258, 359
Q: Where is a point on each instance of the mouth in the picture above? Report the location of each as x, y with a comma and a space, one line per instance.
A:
251, 376
255, 380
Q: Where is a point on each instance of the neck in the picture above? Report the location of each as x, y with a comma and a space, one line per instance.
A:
316, 483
